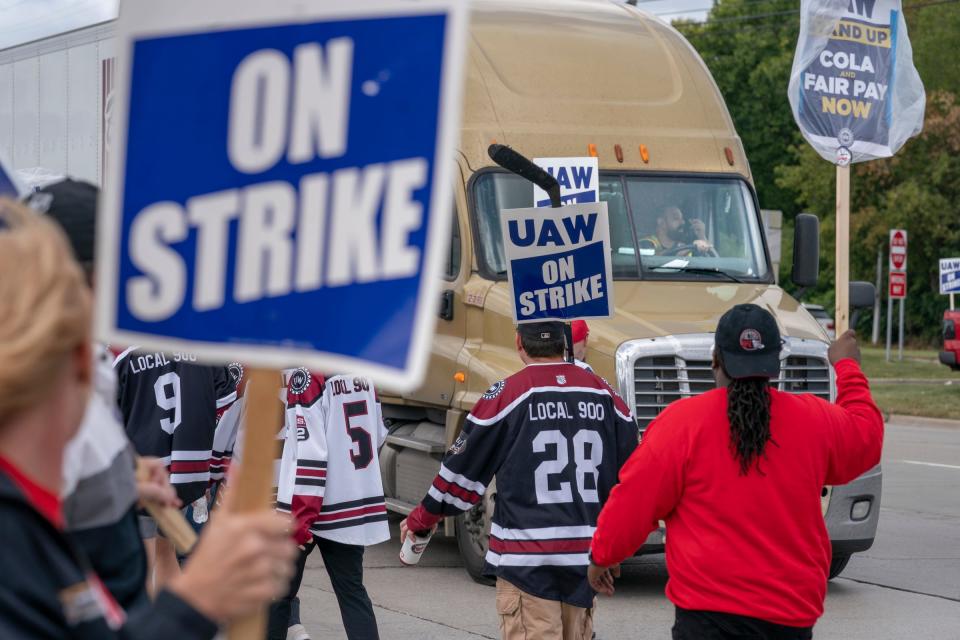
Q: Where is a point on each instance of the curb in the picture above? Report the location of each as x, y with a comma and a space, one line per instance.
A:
918, 421
931, 381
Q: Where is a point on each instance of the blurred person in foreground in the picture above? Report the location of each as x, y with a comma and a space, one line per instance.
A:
49, 589
100, 490
736, 474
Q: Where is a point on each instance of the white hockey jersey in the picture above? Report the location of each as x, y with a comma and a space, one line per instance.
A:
229, 419
334, 489
228, 439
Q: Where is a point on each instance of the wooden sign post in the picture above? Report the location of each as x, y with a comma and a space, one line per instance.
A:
254, 481
170, 521
842, 311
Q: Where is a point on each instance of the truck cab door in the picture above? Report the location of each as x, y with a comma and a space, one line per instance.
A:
438, 382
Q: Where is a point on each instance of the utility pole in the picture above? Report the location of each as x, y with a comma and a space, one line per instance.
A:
876, 304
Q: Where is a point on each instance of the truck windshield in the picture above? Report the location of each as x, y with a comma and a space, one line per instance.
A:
663, 228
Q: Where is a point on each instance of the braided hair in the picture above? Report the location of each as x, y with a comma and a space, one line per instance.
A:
748, 410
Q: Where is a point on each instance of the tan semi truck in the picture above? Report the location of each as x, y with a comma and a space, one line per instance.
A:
565, 78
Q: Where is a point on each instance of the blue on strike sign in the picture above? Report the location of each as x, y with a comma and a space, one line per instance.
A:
558, 262
281, 190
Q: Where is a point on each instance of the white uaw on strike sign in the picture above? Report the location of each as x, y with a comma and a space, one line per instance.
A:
950, 275
278, 166
558, 262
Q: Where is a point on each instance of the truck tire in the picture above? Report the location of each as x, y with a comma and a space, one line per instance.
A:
473, 532
837, 565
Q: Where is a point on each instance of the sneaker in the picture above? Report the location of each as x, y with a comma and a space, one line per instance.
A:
297, 632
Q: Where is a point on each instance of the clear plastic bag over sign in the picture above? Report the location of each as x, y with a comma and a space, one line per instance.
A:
853, 89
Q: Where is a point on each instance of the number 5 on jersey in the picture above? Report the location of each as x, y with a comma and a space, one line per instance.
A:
361, 452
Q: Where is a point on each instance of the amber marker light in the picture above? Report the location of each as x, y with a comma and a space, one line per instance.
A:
592, 150
460, 376
618, 151
727, 151
644, 154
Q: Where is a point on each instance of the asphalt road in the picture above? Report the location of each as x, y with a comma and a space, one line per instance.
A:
906, 586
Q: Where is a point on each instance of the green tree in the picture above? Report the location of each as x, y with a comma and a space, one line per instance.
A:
748, 46
918, 190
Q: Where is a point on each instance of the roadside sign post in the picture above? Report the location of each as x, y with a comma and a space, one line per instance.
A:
856, 96
256, 203
897, 289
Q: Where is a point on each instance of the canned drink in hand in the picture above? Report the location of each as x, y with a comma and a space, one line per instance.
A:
413, 547
200, 513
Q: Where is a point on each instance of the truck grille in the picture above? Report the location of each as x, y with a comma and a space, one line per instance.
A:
657, 380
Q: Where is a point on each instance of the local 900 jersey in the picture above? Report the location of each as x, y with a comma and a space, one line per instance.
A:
334, 489
169, 406
556, 436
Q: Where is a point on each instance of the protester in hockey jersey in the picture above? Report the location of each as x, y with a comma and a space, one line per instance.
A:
555, 435
48, 588
169, 404
579, 332
100, 490
334, 491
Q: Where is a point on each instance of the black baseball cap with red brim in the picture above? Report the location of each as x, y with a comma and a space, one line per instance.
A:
749, 343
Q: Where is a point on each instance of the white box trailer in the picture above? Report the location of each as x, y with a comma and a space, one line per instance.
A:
55, 99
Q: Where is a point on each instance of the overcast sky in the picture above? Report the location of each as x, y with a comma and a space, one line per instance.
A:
25, 20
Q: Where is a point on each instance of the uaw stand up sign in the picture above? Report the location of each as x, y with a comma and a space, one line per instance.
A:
856, 96
854, 90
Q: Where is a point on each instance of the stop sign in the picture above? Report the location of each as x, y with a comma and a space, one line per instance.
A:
898, 250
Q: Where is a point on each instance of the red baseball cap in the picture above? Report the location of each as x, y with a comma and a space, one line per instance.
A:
580, 330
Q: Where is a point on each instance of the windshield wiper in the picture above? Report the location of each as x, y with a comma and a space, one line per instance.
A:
702, 271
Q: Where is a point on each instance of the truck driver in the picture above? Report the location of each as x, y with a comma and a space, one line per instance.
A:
673, 235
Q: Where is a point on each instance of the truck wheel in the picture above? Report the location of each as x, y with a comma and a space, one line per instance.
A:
473, 532
837, 565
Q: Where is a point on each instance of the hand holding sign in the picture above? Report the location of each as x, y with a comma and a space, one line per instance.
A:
278, 166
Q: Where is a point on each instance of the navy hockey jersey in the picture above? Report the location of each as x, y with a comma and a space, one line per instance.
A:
333, 485
169, 406
555, 435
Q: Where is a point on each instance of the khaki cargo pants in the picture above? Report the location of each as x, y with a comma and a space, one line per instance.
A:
527, 617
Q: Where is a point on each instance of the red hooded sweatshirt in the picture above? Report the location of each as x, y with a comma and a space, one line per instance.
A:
755, 544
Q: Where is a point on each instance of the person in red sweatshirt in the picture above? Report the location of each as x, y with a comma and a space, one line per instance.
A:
736, 474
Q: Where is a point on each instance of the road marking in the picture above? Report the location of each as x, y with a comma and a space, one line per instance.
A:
930, 464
